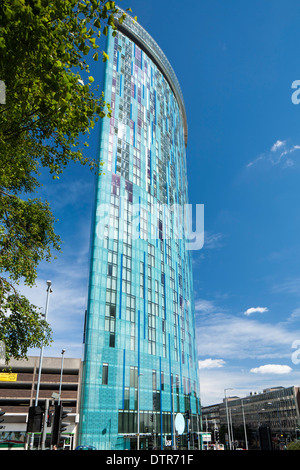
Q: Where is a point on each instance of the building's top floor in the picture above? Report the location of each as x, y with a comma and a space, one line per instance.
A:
142, 39
50, 365
273, 393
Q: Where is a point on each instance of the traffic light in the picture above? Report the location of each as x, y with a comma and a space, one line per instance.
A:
63, 425
151, 440
188, 436
1, 414
35, 419
187, 414
49, 418
55, 428
58, 425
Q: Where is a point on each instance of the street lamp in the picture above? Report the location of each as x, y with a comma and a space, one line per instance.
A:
138, 412
278, 413
61, 373
245, 431
228, 427
173, 385
277, 404
231, 426
49, 290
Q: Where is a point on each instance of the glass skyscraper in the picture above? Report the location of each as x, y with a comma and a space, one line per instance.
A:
140, 369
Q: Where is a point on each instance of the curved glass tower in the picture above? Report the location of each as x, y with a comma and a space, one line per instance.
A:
140, 366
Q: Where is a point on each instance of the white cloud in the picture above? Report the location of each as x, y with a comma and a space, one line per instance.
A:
271, 369
241, 341
202, 305
277, 145
278, 154
68, 301
254, 161
295, 315
211, 363
243, 338
289, 286
213, 240
251, 310
289, 162
213, 382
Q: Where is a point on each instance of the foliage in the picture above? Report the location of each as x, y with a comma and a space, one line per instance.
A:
51, 106
21, 323
294, 445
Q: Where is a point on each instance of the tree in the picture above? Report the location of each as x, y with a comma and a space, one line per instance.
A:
293, 446
50, 107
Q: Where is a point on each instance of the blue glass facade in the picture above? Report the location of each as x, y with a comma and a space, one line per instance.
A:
140, 364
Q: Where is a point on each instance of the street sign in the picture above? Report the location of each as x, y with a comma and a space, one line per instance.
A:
7, 377
206, 436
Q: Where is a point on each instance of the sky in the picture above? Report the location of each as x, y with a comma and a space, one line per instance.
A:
236, 63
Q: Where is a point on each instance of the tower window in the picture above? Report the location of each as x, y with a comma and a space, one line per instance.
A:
105, 374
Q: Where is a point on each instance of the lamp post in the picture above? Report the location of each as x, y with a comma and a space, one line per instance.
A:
231, 427
61, 373
173, 419
228, 426
278, 414
173, 385
49, 290
245, 431
138, 411
277, 404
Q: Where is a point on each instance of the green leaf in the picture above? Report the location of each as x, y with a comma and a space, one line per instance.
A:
105, 56
97, 23
86, 50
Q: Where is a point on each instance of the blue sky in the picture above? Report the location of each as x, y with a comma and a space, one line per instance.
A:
236, 62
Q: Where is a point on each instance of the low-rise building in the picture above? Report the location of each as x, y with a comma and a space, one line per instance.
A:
275, 408
18, 388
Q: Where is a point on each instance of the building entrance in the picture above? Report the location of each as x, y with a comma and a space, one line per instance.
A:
144, 443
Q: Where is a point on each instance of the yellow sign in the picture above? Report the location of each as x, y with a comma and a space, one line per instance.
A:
7, 377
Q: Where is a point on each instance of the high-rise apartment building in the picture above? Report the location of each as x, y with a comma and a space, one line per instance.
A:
140, 365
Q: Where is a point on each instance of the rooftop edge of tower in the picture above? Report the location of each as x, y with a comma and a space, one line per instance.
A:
134, 31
